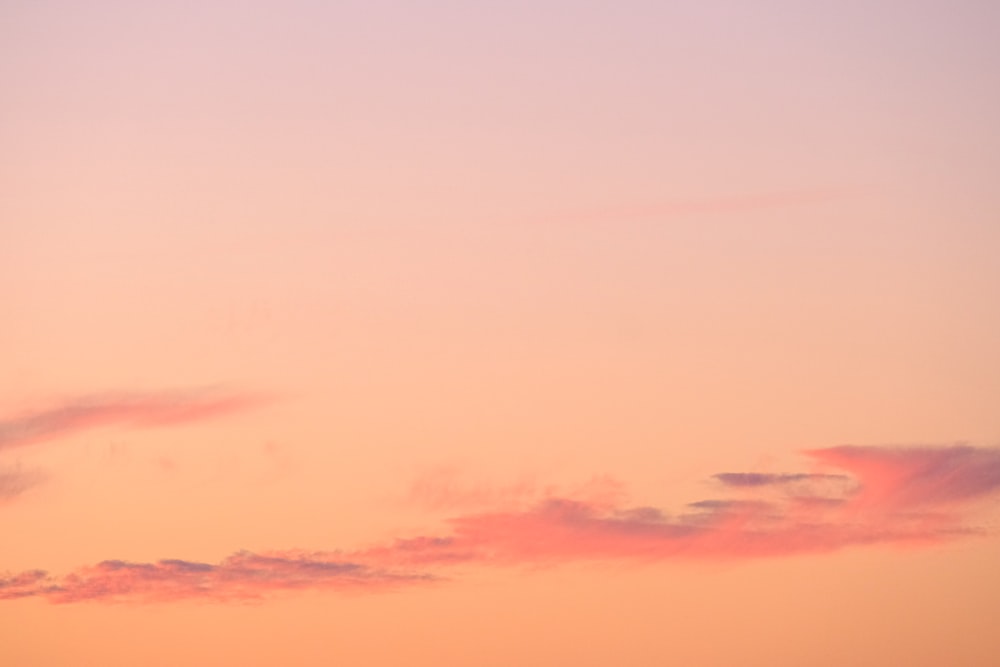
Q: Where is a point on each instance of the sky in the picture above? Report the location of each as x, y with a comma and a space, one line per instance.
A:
525, 333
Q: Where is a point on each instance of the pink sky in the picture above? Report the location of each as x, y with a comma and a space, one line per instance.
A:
539, 333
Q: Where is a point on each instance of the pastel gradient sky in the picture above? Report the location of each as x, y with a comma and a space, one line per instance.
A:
528, 333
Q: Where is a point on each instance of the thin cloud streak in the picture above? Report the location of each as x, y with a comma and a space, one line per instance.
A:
889, 496
751, 479
129, 410
243, 576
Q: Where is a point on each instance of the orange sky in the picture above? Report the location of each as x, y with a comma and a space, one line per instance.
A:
547, 333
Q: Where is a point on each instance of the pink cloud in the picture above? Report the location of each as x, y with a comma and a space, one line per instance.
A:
892, 479
130, 410
241, 576
25, 584
872, 496
901, 496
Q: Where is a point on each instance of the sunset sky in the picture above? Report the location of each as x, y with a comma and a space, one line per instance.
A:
511, 334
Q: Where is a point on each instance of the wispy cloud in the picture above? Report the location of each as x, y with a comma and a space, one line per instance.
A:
872, 496
128, 410
241, 576
14, 481
449, 489
446, 488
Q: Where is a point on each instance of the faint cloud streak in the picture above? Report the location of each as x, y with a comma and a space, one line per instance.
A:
129, 410
14, 481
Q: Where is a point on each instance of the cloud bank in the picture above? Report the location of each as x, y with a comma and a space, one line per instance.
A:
908, 496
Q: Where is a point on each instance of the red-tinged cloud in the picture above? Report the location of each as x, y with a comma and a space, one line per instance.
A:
560, 531
869, 496
241, 576
916, 478
901, 496
23, 585
130, 410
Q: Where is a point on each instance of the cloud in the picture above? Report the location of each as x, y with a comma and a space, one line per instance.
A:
766, 479
560, 531
898, 496
241, 576
893, 479
906, 496
25, 584
14, 481
131, 410
446, 488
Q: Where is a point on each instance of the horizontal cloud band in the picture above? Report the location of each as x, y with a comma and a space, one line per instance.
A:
881, 495
242, 576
